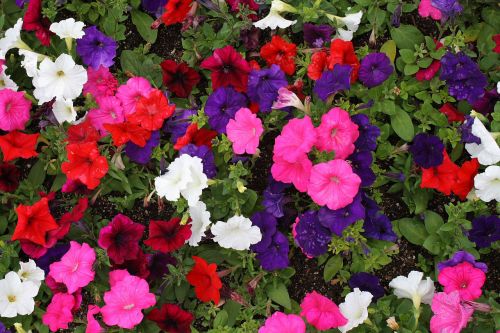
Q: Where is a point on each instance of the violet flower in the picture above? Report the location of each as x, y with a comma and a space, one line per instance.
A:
275, 199
368, 133
276, 255
312, 237
448, 8
52, 255
154, 7
466, 131
178, 123
367, 282
338, 220
96, 49
361, 163
396, 16
427, 150
263, 86
375, 69
486, 104
460, 257
157, 264
142, 155
267, 225
333, 81
222, 105
317, 35
485, 230
378, 226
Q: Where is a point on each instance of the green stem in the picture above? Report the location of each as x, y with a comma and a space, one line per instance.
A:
416, 313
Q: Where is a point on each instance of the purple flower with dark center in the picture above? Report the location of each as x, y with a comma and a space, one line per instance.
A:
263, 86
206, 155
338, 220
250, 38
274, 198
466, 131
361, 163
333, 81
154, 7
367, 282
368, 133
276, 255
142, 155
267, 225
375, 69
465, 80
396, 16
222, 105
486, 104
317, 35
485, 230
460, 257
427, 150
157, 264
448, 8
96, 49
52, 255
378, 226
310, 235
178, 123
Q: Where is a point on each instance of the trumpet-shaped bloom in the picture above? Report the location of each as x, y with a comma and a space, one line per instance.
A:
59, 314
33, 222
17, 144
449, 314
375, 69
337, 133
488, 151
64, 111
206, 282
68, 28
274, 20
222, 105
310, 235
283, 323
179, 78
172, 318
414, 288
287, 98
279, 52
296, 139
355, 309
333, 81
102, 83
14, 110
96, 49
442, 177
152, 111
485, 230
487, 184
426, 9
93, 325
167, 236
464, 278
30, 272
130, 93
296, 173
237, 233
321, 312
263, 86
244, 131
200, 220
110, 111
11, 39
16, 297
427, 150
176, 11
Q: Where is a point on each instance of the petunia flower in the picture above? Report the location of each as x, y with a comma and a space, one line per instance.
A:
222, 105
30, 272
280, 52
63, 111
317, 35
296, 173
350, 21
310, 235
274, 20
14, 110
464, 278
367, 282
296, 139
176, 11
465, 178
82, 133
355, 309
101, 83
96, 49
375, 68
127, 132
172, 318
75, 267
451, 113
109, 111
427, 150
336, 133
333, 81
448, 8
283, 323
30, 61
414, 288
130, 93
33, 21
276, 255
200, 220
59, 314
237, 233
318, 64
138, 266
151, 111
196, 136
442, 177
378, 226
287, 98
426, 9
207, 157
16, 297
142, 155
487, 184
487, 152
460, 257
93, 325
9, 177
179, 78
339, 219
167, 236
264, 84
18, 145
12, 39
206, 282
5, 81
33, 222
321, 312
449, 313
485, 230
68, 28
244, 131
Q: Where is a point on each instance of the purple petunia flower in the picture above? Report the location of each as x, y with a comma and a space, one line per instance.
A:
486, 104
21, 3
274, 198
250, 38
142, 155
378, 226
4, 329
263, 86
154, 7
96, 49
276, 255
267, 225
368, 133
361, 163
375, 69
178, 123
338, 220
460, 257
312, 237
427, 150
485, 230
157, 264
465, 80
52, 255
222, 105
448, 8
333, 81
206, 155
466, 131
367, 282
317, 35
396, 16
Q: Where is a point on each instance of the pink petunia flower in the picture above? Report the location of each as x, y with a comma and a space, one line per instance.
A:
297, 172
14, 110
100, 82
426, 9
321, 312
110, 111
449, 314
244, 131
283, 323
93, 325
333, 184
296, 139
124, 303
75, 267
337, 133
464, 278
130, 93
59, 314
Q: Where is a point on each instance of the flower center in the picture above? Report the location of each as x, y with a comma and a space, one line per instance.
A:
2, 83
128, 306
333, 133
227, 68
11, 298
335, 179
463, 285
60, 73
75, 268
8, 106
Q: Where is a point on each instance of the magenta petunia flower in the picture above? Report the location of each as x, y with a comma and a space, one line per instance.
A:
333, 184
244, 131
14, 110
283, 323
130, 93
93, 325
337, 133
321, 312
426, 9
295, 140
297, 172
75, 267
464, 278
449, 314
110, 111
59, 314
100, 82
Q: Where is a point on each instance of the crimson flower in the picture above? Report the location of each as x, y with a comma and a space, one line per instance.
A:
125, 132
451, 113
318, 65
33, 21
172, 318
465, 178
151, 111
17, 144
33, 222
83, 132
203, 277
167, 236
176, 11
137, 267
179, 78
120, 238
496, 39
200, 137
9, 177
442, 177
279, 52
342, 52
228, 68
85, 164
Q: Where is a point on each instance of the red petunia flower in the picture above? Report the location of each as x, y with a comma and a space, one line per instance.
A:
318, 65
342, 52
442, 177
167, 236
9, 177
496, 39
83, 132
465, 178
200, 137
33, 21
16, 144
428, 73
176, 11
120, 238
228, 68
125, 132
172, 318
33, 222
279, 52
137, 267
85, 164
151, 111
203, 277
179, 78
297, 88
451, 113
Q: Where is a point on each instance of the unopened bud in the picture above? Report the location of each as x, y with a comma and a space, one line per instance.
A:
392, 324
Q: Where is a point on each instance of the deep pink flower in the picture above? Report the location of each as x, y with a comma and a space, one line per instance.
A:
58, 314
337, 133
14, 110
333, 184
244, 131
75, 267
450, 315
93, 325
464, 278
321, 312
282, 323
296, 139
426, 9
297, 172
110, 111
130, 93
100, 82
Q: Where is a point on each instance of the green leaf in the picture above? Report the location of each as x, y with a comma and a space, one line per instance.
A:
432, 244
408, 56
221, 319
403, 126
413, 230
233, 310
433, 221
424, 62
389, 48
411, 69
37, 174
332, 267
421, 198
143, 22
407, 36
279, 294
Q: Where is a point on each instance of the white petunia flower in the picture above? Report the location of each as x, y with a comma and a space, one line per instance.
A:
198, 182
12, 39
30, 272
274, 19
487, 184
63, 110
60, 79
350, 21
355, 308
346, 35
287, 98
412, 287
6, 82
30, 61
488, 152
200, 220
237, 233
16, 297
68, 28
